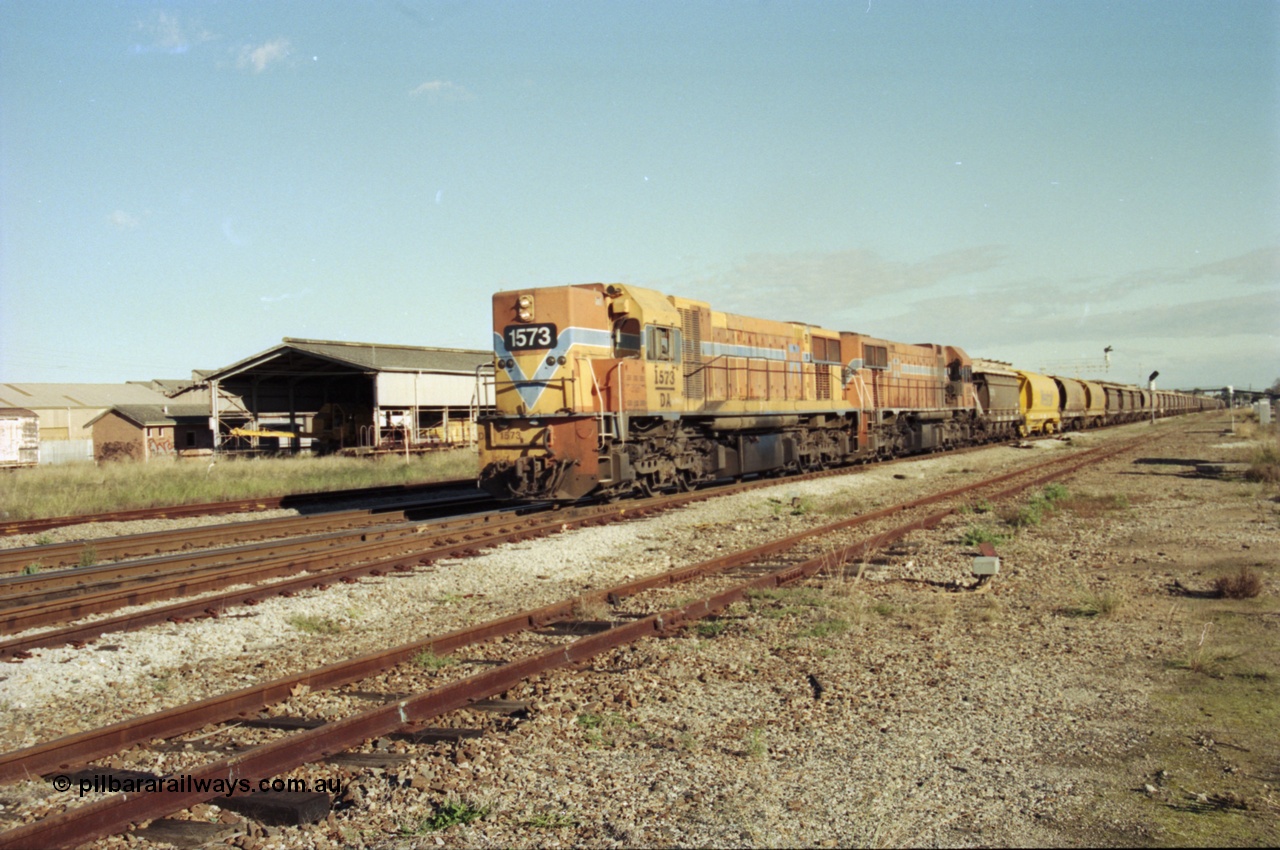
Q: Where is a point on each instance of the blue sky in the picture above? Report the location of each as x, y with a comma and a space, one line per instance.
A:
183, 184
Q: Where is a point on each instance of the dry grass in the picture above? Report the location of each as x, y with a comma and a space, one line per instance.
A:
85, 488
1264, 466
1245, 584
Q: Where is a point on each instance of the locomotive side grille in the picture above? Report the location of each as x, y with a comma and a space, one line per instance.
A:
691, 349
824, 381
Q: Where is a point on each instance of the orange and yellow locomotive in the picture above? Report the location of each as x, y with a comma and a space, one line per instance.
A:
615, 389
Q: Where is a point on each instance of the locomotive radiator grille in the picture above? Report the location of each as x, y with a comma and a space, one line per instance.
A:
691, 349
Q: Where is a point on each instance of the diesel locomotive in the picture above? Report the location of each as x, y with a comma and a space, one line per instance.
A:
613, 389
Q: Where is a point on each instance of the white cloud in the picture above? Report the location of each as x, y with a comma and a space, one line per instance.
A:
805, 286
441, 89
284, 296
122, 220
258, 58
167, 34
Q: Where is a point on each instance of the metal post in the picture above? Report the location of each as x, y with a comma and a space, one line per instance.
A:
214, 417
1151, 388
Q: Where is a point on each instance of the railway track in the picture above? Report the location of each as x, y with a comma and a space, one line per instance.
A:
90, 552
270, 569
511, 649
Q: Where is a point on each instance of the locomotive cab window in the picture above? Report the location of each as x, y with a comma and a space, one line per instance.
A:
626, 338
876, 356
660, 343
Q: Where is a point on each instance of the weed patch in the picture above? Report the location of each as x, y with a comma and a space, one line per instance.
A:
447, 814
1264, 466
1245, 584
551, 821
88, 556
826, 628
976, 535
797, 506
601, 730
313, 625
711, 628
428, 660
1091, 603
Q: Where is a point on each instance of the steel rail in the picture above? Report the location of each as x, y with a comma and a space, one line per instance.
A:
414, 546
111, 596
146, 544
82, 747
117, 813
20, 589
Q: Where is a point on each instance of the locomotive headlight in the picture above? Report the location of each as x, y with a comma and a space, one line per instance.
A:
524, 308
562, 360
551, 361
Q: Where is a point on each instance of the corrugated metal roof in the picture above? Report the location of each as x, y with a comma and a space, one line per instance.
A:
362, 357
44, 396
156, 414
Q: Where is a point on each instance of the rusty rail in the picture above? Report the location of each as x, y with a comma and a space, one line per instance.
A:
296, 500
114, 814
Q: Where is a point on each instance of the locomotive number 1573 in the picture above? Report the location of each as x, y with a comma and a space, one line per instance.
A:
525, 337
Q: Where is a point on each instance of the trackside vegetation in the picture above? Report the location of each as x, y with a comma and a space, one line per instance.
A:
87, 488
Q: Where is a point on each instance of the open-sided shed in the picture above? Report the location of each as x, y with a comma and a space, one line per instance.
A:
334, 396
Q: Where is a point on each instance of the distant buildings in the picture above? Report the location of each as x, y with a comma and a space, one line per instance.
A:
301, 395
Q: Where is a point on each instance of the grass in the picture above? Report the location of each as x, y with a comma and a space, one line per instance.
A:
314, 625
1094, 603
797, 506
602, 730
428, 660
447, 814
826, 627
783, 602
1091, 506
1214, 743
88, 556
1264, 466
32, 569
711, 628
84, 488
976, 535
1040, 507
551, 821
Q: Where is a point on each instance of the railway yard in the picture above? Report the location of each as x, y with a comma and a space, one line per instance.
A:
858, 686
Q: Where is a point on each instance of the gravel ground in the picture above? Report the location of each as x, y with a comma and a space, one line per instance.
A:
871, 707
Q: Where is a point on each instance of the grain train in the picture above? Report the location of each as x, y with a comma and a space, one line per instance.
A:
613, 389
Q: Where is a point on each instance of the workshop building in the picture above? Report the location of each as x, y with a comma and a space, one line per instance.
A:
352, 397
